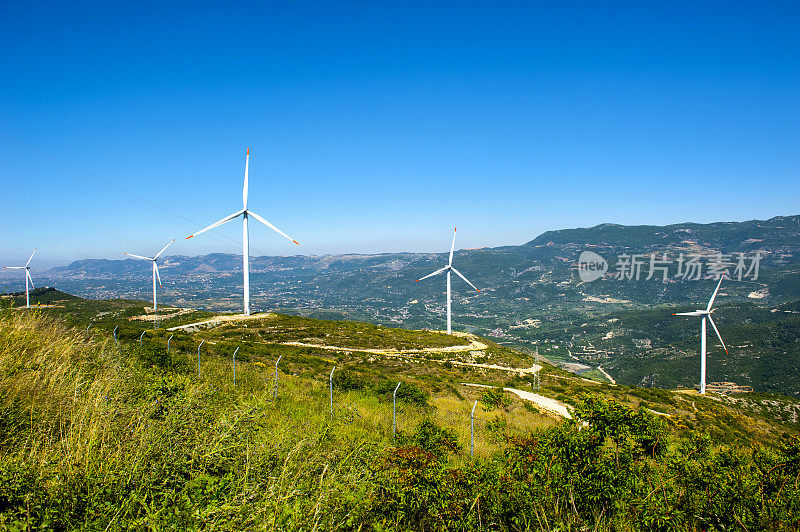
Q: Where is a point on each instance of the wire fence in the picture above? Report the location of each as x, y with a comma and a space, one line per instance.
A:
478, 429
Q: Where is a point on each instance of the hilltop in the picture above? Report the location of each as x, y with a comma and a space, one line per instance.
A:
97, 433
430, 360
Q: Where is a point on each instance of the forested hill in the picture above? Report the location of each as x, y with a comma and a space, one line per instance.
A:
530, 294
542, 271
780, 231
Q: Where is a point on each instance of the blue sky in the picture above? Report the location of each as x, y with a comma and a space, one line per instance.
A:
378, 126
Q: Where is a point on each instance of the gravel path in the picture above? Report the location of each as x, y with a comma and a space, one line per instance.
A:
473, 345
547, 404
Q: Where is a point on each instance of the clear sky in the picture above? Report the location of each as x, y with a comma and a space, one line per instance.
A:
378, 126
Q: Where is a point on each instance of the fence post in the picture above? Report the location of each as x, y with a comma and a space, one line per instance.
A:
140, 336
394, 410
115, 334
198, 357
472, 430
234, 366
87, 327
330, 379
168, 341
275, 389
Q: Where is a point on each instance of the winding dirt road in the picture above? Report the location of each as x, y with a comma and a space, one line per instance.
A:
473, 345
550, 406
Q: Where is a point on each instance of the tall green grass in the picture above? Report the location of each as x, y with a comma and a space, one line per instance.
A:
100, 436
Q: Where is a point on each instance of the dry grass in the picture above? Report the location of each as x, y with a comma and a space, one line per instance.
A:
83, 418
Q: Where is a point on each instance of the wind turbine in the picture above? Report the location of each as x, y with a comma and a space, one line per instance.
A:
28, 279
156, 275
449, 268
245, 214
705, 314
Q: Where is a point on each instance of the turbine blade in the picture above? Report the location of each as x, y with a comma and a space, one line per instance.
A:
158, 275
465, 279
263, 221
437, 272
686, 314
244, 190
218, 223
30, 259
136, 256
452, 247
29, 277
163, 249
15, 267
718, 335
714, 295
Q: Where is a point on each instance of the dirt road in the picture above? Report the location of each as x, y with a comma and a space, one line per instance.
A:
551, 406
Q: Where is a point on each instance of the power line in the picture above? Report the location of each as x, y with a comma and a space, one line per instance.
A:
145, 203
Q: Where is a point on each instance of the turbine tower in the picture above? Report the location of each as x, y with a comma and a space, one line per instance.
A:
705, 314
449, 268
156, 275
28, 279
245, 213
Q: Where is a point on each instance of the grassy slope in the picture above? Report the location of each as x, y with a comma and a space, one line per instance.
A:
751, 418
279, 328
94, 433
135, 431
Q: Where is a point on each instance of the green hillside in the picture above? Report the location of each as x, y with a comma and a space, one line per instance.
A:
534, 283
97, 434
652, 346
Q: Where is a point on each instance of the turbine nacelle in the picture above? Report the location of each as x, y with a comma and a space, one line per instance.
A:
245, 213
705, 314
156, 274
447, 269
153, 260
28, 278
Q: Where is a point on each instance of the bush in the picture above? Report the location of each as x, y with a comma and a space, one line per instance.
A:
407, 393
93, 438
495, 398
498, 428
151, 355
434, 439
346, 379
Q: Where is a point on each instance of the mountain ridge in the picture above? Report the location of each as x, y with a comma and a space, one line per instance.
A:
557, 236
531, 295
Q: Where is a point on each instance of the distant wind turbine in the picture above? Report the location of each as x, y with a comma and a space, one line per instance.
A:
245, 214
705, 314
28, 279
156, 275
448, 269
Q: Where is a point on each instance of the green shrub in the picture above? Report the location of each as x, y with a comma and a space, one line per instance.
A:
434, 439
495, 398
407, 393
99, 436
346, 379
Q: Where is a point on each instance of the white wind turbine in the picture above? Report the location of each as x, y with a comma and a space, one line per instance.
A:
245, 214
156, 275
448, 269
28, 279
705, 314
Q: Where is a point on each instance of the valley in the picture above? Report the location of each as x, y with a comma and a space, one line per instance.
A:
235, 423
531, 297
